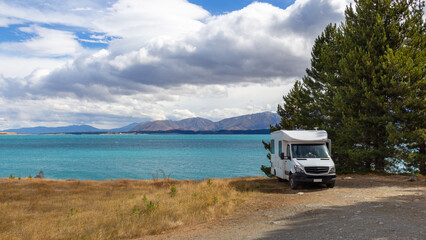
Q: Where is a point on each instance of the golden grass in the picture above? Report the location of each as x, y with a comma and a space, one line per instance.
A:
112, 209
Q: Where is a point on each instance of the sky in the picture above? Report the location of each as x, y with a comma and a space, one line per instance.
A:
111, 63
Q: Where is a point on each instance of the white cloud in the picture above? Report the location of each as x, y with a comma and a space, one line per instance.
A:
141, 56
256, 44
20, 67
181, 114
57, 12
6, 21
150, 19
46, 43
171, 60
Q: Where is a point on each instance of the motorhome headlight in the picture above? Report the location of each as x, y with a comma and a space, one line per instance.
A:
298, 168
332, 170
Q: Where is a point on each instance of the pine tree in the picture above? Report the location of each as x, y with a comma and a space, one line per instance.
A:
366, 87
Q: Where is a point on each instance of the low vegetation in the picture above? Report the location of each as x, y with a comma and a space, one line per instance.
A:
112, 209
131, 209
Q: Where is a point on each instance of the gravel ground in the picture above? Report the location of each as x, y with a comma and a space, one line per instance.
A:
359, 207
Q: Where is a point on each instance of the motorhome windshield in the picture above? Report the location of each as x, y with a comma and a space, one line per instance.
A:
309, 151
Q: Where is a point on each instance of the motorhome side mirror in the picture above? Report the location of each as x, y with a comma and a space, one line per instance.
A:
282, 156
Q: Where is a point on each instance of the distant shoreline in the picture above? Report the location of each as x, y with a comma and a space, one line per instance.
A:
174, 131
9, 133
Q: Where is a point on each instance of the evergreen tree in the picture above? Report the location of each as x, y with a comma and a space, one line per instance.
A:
366, 86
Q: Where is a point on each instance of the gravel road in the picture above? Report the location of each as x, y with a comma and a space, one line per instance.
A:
359, 207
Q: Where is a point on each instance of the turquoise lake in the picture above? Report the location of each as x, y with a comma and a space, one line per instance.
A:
100, 157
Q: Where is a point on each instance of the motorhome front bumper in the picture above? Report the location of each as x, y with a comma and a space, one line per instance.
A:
303, 177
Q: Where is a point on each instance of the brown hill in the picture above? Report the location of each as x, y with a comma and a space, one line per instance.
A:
245, 122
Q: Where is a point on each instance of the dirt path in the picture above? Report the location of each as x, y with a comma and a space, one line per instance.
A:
364, 207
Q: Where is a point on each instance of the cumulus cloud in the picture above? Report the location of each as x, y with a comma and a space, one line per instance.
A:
256, 44
21, 67
165, 58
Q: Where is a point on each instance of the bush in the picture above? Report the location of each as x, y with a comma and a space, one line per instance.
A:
173, 191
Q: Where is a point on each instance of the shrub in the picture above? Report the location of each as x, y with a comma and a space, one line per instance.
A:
150, 207
173, 191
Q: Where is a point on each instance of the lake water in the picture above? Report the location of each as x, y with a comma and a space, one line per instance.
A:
100, 157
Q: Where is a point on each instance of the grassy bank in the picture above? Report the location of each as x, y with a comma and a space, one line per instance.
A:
126, 209
54, 209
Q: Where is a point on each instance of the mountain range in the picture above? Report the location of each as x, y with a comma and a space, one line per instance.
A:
241, 123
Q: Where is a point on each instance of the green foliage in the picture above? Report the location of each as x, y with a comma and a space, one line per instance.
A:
209, 182
11, 176
366, 87
29, 176
71, 212
173, 191
150, 207
136, 210
267, 170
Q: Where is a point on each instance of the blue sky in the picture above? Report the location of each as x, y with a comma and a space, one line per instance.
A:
216, 7
110, 63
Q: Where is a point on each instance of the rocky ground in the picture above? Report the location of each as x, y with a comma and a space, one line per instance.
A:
358, 207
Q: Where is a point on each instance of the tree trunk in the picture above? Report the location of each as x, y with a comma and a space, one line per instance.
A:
379, 164
422, 164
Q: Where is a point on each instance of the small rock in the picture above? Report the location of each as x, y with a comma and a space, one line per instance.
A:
355, 218
347, 178
380, 222
300, 193
416, 200
397, 205
275, 222
378, 206
412, 179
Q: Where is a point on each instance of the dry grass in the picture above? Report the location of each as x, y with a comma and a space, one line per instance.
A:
113, 209
126, 209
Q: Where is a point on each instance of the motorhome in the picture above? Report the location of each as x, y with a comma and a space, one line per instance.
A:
302, 156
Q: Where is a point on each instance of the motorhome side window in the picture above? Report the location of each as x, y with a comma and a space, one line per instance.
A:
272, 146
280, 147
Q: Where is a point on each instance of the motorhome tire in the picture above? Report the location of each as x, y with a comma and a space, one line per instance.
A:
330, 185
293, 183
280, 179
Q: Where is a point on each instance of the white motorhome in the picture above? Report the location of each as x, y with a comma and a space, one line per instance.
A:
302, 156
